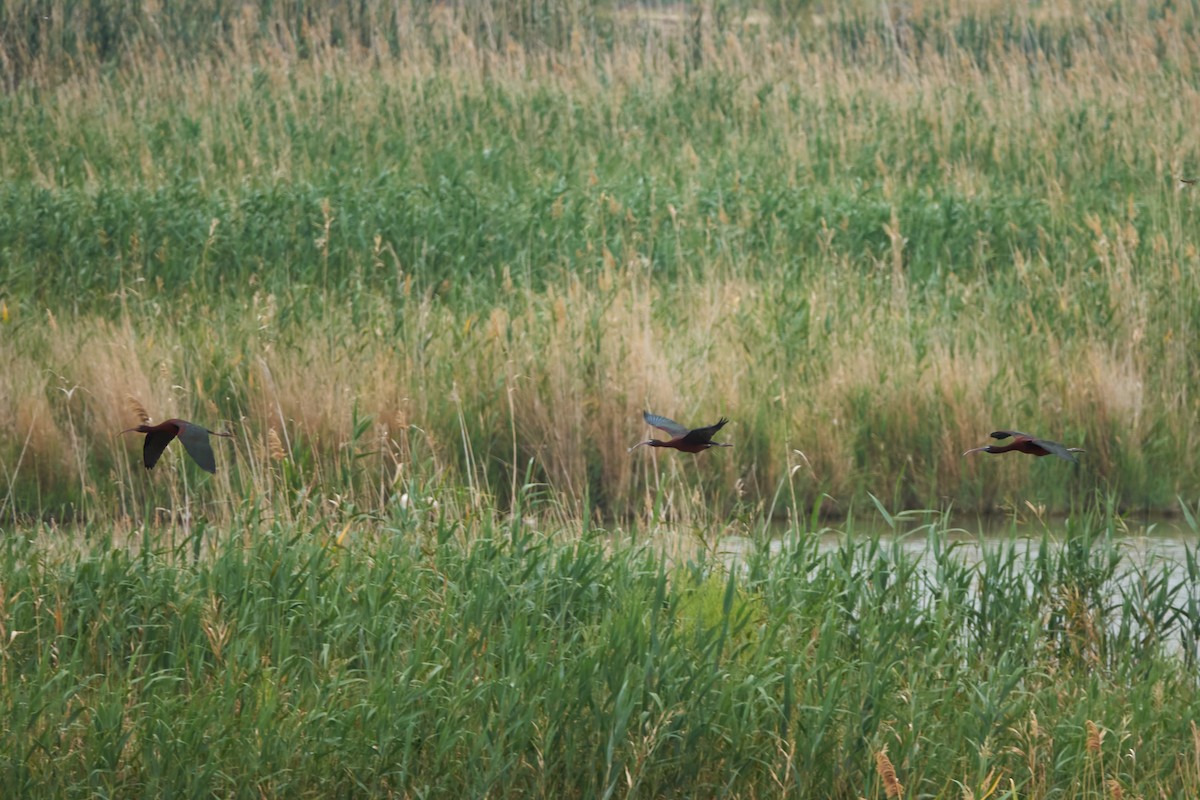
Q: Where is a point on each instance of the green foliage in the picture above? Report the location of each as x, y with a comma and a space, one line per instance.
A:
390, 659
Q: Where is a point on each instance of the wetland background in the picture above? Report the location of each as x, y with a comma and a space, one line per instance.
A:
466, 246
430, 261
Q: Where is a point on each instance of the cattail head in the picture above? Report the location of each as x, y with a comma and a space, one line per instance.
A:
138, 409
887, 773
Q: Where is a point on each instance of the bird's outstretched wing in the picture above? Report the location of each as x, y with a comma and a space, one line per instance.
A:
195, 441
663, 424
1056, 449
156, 442
1006, 434
701, 435
1053, 448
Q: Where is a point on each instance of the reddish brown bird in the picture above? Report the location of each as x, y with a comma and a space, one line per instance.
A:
1024, 443
193, 437
689, 441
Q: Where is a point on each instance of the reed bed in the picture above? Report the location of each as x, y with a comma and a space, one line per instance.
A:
410, 243
424, 654
428, 263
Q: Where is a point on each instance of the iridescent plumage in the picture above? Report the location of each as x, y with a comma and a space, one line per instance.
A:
692, 440
193, 438
1025, 443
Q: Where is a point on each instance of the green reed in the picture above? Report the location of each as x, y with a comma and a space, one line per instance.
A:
418, 654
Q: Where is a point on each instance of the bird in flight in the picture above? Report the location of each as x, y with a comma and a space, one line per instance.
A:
688, 441
193, 437
1024, 443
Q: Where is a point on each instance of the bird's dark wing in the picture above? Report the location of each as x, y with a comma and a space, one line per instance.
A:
702, 435
1056, 449
1006, 434
156, 442
195, 441
663, 424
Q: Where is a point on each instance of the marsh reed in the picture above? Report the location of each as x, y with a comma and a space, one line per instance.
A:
410, 243
437, 652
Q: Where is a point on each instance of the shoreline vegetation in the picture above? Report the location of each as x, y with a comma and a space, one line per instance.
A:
432, 654
468, 244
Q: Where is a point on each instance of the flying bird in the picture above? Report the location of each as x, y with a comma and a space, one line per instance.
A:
688, 441
193, 437
1024, 443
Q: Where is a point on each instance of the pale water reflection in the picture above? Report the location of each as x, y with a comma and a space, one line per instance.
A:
1143, 542
1148, 565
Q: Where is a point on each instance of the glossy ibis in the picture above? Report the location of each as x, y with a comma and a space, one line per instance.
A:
193, 437
689, 441
1024, 443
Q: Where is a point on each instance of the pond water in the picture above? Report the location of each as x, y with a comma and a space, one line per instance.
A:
1141, 540
1151, 575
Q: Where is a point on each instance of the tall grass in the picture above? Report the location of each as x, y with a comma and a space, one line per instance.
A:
461, 256
412, 656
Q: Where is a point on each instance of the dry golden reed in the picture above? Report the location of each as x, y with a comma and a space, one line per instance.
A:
274, 446
1095, 737
137, 409
887, 773
559, 393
